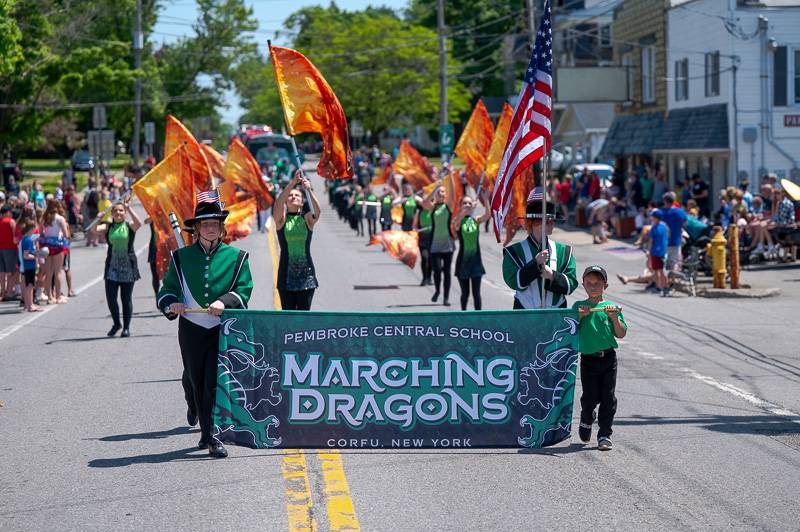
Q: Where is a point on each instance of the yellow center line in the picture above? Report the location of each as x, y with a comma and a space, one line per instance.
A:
341, 512
299, 506
273, 252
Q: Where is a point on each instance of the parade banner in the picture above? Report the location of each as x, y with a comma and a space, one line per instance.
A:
409, 380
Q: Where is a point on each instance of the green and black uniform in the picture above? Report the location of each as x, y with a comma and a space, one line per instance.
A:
297, 278
197, 279
121, 271
469, 265
386, 212
442, 248
372, 214
425, 225
598, 346
357, 214
409, 210
522, 273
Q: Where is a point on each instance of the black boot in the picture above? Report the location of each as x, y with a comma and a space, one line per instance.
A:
114, 330
217, 450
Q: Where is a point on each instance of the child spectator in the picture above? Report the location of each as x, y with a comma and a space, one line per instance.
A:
27, 251
658, 249
597, 333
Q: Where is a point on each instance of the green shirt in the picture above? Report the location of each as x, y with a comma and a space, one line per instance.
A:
425, 219
596, 331
118, 238
409, 209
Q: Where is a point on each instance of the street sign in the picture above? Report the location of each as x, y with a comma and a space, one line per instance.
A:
149, 132
356, 129
101, 143
99, 117
447, 139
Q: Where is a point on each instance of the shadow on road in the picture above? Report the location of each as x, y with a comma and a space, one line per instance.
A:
158, 458
416, 305
155, 435
757, 424
154, 381
95, 338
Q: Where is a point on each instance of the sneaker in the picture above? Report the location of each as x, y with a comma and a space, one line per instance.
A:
217, 450
604, 443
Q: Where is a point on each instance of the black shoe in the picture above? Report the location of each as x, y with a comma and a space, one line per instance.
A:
446, 303
604, 443
191, 417
217, 450
114, 330
435, 297
202, 445
125, 333
423, 282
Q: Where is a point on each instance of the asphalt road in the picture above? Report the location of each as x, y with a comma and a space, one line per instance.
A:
707, 433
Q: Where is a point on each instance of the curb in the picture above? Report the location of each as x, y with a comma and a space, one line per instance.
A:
739, 293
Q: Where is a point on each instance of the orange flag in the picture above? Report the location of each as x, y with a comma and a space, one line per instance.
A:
516, 211
167, 188
402, 245
475, 141
311, 106
413, 166
216, 163
454, 190
239, 222
242, 169
383, 176
178, 135
495, 156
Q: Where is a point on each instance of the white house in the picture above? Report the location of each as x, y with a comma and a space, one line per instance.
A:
733, 96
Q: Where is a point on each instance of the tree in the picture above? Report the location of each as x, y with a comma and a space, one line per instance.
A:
61, 136
383, 69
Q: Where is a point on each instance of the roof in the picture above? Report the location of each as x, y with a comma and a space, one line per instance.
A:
594, 115
695, 128
632, 134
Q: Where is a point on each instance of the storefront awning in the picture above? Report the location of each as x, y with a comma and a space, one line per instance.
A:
695, 129
632, 135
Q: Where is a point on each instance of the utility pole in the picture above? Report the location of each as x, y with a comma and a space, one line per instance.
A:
531, 8
442, 63
138, 43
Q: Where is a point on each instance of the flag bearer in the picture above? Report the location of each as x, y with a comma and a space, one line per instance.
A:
526, 264
210, 275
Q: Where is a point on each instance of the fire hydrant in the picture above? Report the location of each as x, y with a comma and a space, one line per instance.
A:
718, 245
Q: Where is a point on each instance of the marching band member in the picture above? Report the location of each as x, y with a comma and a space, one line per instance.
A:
527, 264
213, 276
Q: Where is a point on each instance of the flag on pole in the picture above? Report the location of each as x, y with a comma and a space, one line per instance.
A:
453, 189
402, 245
413, 166
239, 222
242, 169
474, 143
164, 189
383, 176
529, 134
521, 196
495, 156
215, 160
178, 135
311, 106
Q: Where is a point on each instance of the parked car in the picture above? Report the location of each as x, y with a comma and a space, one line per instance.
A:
604, 171
83, 162
11, 169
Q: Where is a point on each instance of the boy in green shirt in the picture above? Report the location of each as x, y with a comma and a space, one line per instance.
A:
601, 323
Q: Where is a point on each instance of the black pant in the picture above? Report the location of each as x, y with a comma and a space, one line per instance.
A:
442, 265
199, 349
386, 224
154, 277
126, 291
599, 379
372, 225
188, 394
476, 292
296, 299
425, 264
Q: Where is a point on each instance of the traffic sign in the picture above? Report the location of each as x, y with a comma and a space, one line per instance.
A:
447, 139
101, 143
99, 120
149, 132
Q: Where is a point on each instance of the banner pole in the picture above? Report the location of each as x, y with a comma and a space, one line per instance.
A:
300, 167
100, 216
480, 184
176, 228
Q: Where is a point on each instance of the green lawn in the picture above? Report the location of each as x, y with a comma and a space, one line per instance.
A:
53, 165
455, 162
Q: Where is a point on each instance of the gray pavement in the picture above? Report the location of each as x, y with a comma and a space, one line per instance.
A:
706, 435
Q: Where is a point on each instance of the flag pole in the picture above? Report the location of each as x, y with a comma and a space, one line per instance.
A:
543, 241
291, 136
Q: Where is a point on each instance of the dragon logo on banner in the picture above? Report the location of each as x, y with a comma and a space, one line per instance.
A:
243, 375
543, 385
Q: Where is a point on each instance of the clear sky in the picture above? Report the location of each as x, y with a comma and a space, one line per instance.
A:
176, 19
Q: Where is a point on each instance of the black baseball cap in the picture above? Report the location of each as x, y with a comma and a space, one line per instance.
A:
595, 269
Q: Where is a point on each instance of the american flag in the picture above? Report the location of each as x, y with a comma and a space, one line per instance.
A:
529, 136
208, 196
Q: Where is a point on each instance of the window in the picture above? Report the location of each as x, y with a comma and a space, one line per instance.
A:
627, 61
712, 74
780, 77
605, 36
797, 77
648, 74
682, 80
